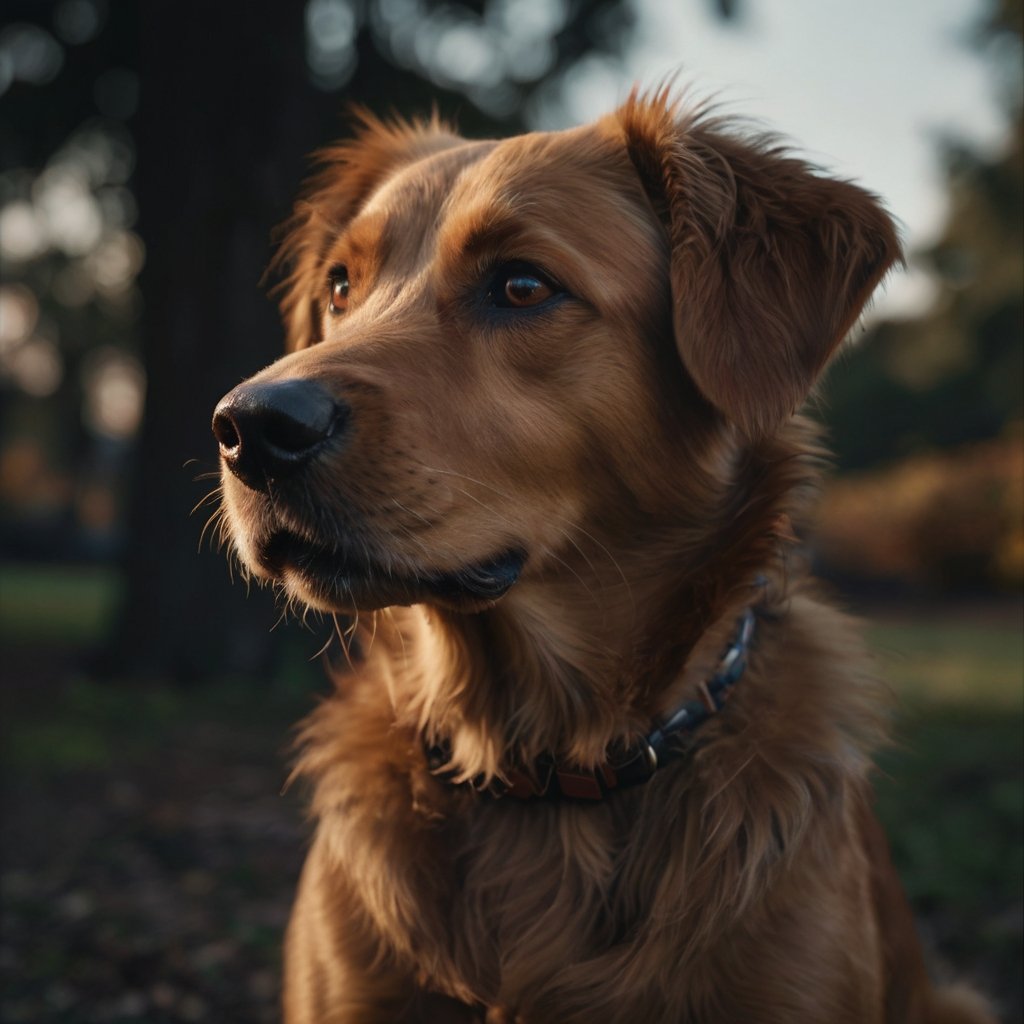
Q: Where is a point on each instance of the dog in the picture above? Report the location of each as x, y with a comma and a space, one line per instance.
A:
603, 752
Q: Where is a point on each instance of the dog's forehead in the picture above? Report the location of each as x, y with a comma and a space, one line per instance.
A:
543, 168
424, 183
528, 169
545, 156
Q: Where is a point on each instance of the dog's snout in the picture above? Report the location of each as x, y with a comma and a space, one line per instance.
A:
268, 431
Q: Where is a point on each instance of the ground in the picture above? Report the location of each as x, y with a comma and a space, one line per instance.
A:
149, 854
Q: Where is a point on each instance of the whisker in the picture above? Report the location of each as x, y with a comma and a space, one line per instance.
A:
215, 520
206, 499
412, 512
323, 648
345, 639
373, 632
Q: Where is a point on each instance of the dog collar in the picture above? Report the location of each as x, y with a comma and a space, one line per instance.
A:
624, 765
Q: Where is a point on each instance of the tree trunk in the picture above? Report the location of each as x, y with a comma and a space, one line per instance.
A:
225, 119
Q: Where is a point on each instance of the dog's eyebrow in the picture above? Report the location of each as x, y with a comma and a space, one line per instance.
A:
361, 240
356, 243
488, 229
469, 224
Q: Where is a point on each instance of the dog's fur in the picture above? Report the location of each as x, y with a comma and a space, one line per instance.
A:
633, 436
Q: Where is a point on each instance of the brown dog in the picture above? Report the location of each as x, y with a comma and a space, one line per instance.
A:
536, 435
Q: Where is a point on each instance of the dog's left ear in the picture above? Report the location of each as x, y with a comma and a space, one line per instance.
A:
771, 263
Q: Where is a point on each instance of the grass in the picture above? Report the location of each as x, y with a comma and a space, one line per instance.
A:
940, 659
951, 788
89, 726
69, 605
59, 719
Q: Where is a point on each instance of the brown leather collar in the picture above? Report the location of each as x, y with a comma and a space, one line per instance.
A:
624, 765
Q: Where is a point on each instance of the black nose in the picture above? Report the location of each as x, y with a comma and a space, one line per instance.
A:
268, 431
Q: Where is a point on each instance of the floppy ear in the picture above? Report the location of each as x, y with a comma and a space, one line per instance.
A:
771, 264
346, 176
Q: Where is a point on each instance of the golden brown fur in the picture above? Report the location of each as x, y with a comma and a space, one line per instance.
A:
634, 438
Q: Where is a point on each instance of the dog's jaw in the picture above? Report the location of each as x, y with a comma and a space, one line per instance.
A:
349, 579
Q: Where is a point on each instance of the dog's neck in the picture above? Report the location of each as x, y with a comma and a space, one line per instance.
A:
544, 672
572, 661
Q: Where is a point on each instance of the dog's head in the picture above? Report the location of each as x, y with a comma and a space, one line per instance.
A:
497, 348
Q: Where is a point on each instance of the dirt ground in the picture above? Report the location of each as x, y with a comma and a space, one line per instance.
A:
148, 878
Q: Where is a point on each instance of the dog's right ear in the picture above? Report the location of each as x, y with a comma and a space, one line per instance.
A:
771, 263
346, 176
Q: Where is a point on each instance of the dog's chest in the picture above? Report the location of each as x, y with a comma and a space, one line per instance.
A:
532, 889
500, 894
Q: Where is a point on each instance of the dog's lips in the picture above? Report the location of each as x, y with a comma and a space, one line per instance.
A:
344, 580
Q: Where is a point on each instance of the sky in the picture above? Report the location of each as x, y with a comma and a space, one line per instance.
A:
864, 90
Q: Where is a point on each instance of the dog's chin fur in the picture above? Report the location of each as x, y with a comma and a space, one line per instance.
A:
562, 511
335, 581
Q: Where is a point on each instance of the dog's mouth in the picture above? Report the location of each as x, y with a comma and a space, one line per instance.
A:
343, 579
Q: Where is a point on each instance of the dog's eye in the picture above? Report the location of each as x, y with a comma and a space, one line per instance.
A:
518, 286
337, 281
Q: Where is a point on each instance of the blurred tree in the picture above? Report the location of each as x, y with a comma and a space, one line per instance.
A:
954, 374
69, 262
221, 128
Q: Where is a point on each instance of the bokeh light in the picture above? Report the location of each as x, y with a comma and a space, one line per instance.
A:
114, 389
28, 53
